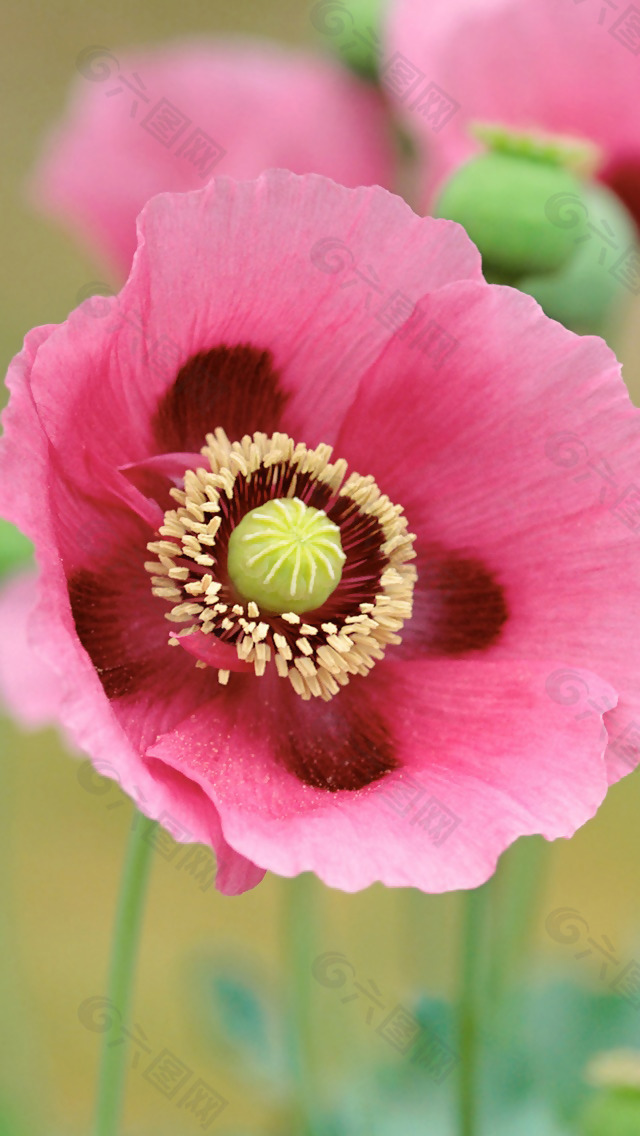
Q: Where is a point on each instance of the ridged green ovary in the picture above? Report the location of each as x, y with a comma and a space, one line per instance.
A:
286, 556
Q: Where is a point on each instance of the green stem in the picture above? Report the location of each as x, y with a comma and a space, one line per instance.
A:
299, 927
121, 978
474, 923
519, 883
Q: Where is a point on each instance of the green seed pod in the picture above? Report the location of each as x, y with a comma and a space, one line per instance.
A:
588, 292
509, 204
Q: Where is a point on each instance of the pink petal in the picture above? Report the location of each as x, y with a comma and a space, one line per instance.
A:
234, 873
155, 477
261, 105
76, 699
521, 455
486, 750
59, 681
17, 447
298, 267
261, 263
551, 66
29, 689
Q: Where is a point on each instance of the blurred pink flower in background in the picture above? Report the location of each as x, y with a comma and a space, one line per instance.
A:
560, 66
169, 118
29, 687
339, 317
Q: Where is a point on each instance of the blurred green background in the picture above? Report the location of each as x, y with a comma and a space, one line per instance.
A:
61, 846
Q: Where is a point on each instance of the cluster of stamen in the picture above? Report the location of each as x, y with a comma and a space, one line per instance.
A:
317, 650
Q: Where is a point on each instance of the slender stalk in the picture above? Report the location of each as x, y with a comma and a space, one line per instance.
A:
122, 974
519, 883
299, 929
474, 924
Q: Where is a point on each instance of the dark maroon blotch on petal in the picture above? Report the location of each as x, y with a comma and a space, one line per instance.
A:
121, 626
94, 606
120, 623
459, 606
472, 609
236, 388
337, 747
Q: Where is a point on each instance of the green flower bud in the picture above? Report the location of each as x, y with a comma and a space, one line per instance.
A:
584, 295
286, 556
15, 550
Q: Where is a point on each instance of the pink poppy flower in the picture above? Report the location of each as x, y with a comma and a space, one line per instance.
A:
169, 118
336, 354
556, 66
